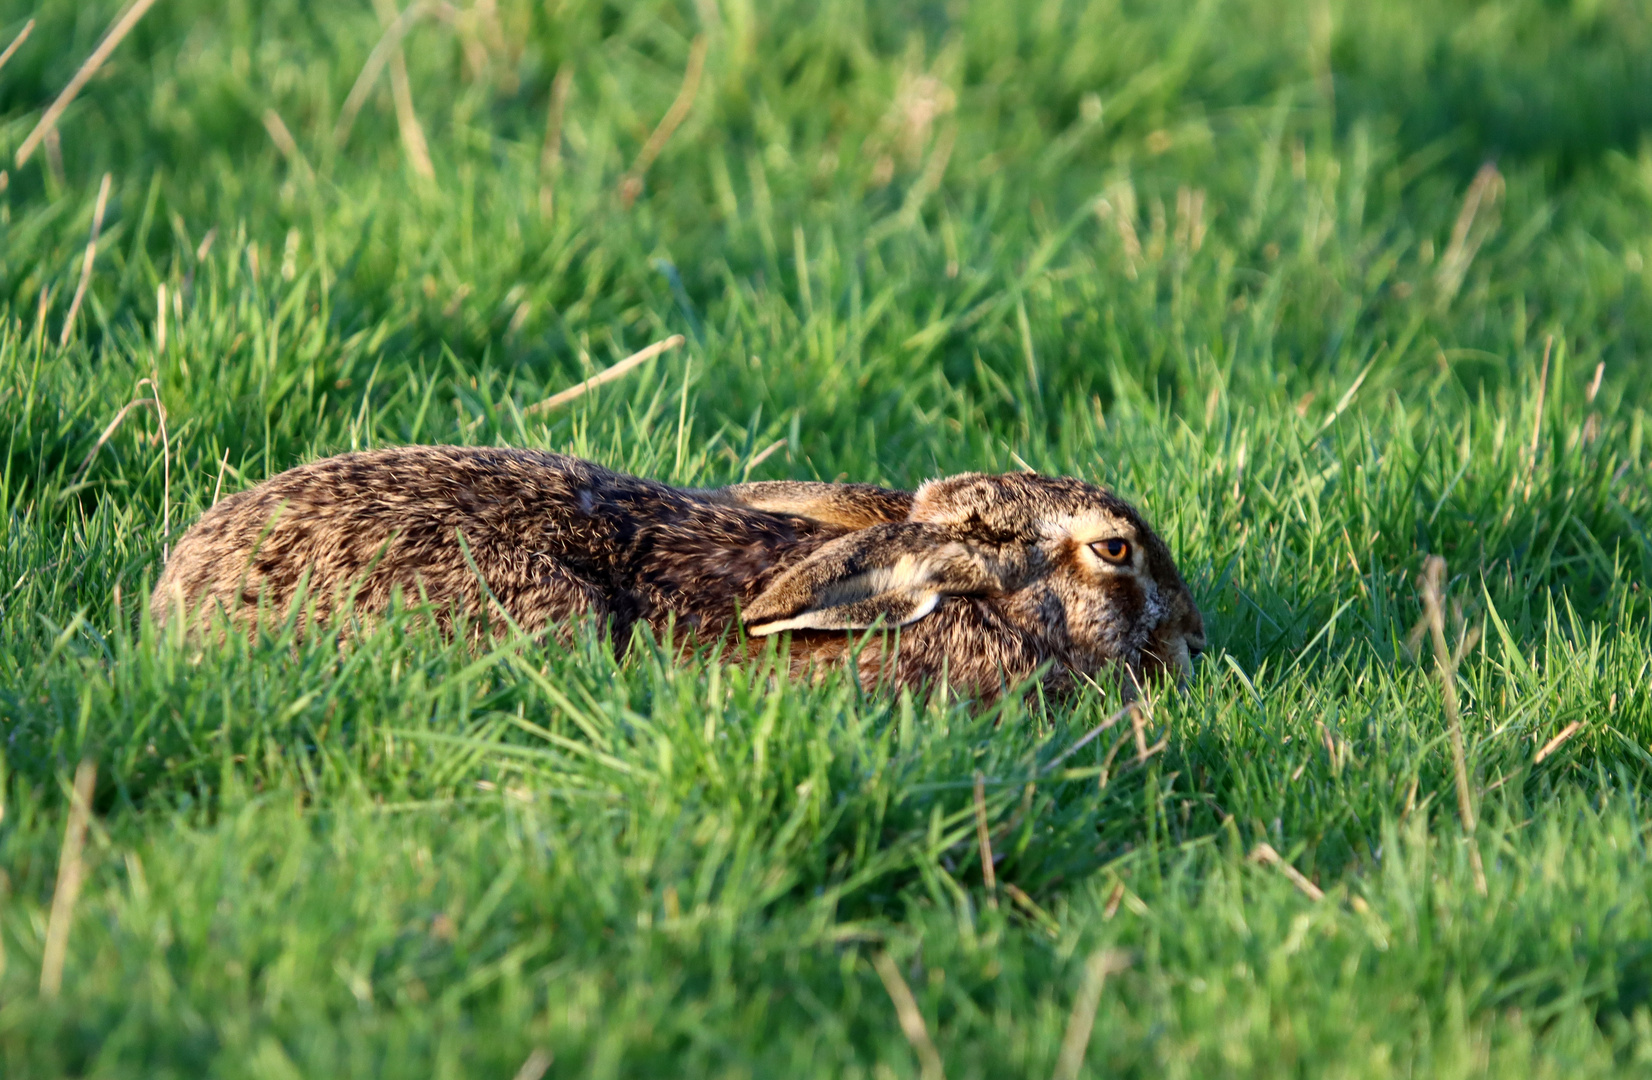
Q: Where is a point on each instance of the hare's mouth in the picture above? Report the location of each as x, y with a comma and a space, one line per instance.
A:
1171, 657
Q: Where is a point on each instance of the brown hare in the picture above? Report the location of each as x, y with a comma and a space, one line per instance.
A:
988, 578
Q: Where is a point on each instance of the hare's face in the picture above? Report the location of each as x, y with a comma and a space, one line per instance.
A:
1074, 572
1081, 570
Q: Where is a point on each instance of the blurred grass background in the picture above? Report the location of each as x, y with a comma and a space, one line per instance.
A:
1325, 287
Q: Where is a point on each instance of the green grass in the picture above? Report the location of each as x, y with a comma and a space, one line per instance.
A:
1213, 254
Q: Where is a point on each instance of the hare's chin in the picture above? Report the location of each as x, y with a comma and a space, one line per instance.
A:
1162, 660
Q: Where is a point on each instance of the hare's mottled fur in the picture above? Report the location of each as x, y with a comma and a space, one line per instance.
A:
987, 577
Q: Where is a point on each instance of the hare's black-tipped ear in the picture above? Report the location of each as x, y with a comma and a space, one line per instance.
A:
851, 506
895, 573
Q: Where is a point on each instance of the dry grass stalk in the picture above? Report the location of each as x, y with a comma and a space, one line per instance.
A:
401, 92
1594, 384
911, 1020
1432, 587
166, 450
70, 872
1091, 735
1337, 749
1030, 906
1138, 726
1107, 764
407, 120
1554, 744
764, 454
1190, 218
86, 263
1480, 202
983, 839
160, 319
1119, 204
487, 15
284, 142
606, 375
631, 185
388, 42
123, 25
536, 1064
42, 306
1264, 853
218, 486
479, 22
930, 179
550, 156
1590, 431
17, 42
108, 431
1102, 963
921, 98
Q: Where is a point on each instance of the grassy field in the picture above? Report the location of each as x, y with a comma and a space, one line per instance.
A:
1327, 287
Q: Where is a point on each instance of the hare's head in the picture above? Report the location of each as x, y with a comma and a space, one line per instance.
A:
1072, 570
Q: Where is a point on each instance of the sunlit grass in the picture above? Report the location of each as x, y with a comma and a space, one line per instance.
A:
1243, 262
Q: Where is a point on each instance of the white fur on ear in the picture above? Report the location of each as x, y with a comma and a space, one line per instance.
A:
895, 595
888, 575
835, 618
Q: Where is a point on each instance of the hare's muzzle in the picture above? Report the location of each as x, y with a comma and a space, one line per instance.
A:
1180, 660
1174, 646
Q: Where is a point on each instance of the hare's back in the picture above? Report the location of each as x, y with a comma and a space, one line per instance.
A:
415, 517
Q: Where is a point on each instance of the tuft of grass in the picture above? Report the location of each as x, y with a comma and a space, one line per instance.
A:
1338, 293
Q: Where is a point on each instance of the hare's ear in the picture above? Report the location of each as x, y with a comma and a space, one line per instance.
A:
852, 506
894, 573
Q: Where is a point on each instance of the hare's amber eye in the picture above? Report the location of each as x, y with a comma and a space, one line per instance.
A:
1113, 550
